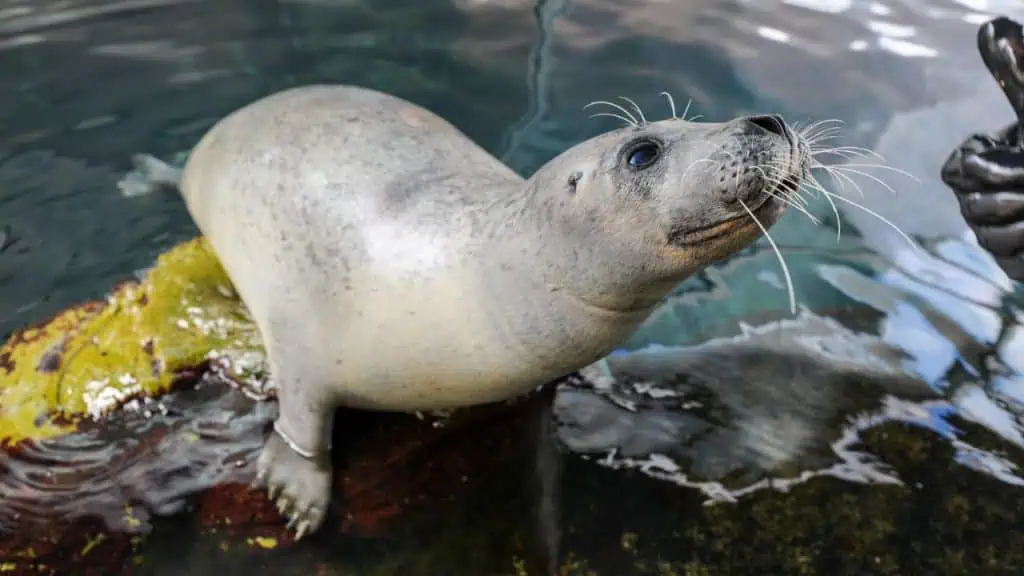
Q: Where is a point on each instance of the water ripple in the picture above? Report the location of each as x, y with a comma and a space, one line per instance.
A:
149, 460
777, 405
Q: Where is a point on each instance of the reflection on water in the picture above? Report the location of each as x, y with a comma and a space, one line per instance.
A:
779, 404
886, 418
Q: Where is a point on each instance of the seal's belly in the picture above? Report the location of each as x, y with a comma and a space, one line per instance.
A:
429, 348
389, 371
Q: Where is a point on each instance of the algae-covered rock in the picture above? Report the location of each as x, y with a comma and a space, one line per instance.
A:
78, 478
100, 355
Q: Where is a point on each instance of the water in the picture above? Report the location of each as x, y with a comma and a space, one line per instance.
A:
879, 432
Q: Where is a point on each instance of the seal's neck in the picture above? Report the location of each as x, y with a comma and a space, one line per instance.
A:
576, 258
563, 295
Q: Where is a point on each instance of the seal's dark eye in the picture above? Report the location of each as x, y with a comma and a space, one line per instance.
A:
643, 155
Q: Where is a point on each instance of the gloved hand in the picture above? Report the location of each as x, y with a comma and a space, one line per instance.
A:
986, 172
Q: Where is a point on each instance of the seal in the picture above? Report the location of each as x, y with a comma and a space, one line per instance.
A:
390, 263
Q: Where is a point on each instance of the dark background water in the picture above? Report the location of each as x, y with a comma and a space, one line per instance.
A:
86, 84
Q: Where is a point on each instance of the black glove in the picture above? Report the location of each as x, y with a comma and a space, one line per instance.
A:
986, 172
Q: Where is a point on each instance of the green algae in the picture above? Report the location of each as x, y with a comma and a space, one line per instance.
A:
93, 358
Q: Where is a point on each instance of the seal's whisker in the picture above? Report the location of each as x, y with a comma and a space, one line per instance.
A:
803, 197
614, 115
781, 168
789, 200
814, 140
817, 147
771, 177
816, 136
799, 198
837, 173
687, 110
819, 130
798, 201
774, 172
847, 165
694, 164
777, 170
791, 291
812, 183
821, 124
774, 178
845, 168
632, 119
862, 152
820, 135
639, 110
671, 104
842, 173
876, 215
844, 154
824, 122
849, 152
840, 170
840, 178
816, 131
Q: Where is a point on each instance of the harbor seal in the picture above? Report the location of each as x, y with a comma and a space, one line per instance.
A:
390, 263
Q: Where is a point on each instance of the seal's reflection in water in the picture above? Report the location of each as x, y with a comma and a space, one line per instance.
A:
778, 404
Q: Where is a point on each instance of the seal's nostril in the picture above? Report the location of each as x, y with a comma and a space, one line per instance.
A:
771, 123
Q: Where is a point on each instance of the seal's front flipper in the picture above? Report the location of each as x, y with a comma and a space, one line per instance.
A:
295, 465
150, 174
298, 484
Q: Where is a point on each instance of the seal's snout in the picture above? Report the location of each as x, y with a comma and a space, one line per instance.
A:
760, 153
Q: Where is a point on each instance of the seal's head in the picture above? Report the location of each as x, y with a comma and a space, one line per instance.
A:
668, 198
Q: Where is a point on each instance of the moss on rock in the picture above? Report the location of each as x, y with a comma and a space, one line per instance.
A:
93, 358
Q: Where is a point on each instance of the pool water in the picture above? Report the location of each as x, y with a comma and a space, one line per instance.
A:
879, 430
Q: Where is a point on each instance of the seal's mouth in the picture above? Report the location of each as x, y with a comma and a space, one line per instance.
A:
766, 211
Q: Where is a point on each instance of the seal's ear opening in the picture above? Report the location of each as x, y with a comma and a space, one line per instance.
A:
574, 179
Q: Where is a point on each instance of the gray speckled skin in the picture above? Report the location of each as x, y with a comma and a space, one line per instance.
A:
391, 263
